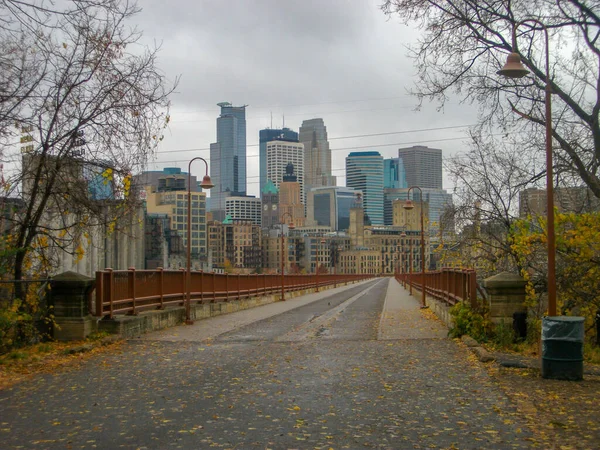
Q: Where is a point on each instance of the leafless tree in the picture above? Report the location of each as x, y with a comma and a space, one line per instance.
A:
22, 68
465, 42
488, 179
96, 104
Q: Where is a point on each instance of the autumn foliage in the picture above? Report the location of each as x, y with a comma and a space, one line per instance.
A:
578, 261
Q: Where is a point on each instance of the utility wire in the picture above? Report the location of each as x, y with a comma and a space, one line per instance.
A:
340, 149
339, 137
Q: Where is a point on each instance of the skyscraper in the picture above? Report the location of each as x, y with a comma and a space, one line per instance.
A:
422, 166
364, 172
281, 153
437, 199
394, 176
317, 155
267, 135
330, 206
228, 157
290, 197
270, 203
244, 208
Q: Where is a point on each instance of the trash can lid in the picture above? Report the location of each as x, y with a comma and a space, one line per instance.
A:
564, 328
564, 319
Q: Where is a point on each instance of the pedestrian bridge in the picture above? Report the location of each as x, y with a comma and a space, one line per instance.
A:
133, 291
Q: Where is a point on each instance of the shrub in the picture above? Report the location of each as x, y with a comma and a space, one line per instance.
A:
15, 327
504, 335
469, 322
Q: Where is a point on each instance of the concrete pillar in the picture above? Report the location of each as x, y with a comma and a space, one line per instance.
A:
70, 296
506, 292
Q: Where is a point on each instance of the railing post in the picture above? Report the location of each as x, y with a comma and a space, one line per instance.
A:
214, 290
161, 286
201, 286
452, 289
99, 293
111, 291
447, 285
473, 289
183, 285
131, 288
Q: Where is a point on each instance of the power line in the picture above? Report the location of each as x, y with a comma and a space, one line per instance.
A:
402, 132
340, 149
339, 137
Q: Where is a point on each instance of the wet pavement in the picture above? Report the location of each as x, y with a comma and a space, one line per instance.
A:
354, 367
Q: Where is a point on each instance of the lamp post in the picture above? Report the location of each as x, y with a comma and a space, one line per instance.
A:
336, 252
206, 184
515, 69
291, 226
409, 206
409, 262
322, 241
401, 258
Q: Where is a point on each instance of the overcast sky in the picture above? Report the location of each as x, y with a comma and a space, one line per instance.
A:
344, 61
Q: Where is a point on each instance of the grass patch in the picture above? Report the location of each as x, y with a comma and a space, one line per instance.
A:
591, 353
97, 336
17, 355
48, 357
44, 348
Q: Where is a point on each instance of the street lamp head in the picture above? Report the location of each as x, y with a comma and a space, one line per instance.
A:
409, 205
514, 67
206, 182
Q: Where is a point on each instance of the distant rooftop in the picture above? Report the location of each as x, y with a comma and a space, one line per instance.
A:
270, 188
364, 154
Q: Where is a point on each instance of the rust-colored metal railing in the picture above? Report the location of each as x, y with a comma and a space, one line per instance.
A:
131, 291
448, 285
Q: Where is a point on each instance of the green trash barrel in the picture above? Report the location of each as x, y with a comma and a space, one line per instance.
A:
562, 347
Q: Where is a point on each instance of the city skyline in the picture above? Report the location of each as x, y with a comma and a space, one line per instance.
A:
315, 130
362, 88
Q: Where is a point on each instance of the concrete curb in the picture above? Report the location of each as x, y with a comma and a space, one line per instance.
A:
482, 354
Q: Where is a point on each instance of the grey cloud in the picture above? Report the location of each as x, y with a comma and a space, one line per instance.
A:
285, 52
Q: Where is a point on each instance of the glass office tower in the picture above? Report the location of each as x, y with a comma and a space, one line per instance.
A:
330, 206
394, 176
364, 172
228, 156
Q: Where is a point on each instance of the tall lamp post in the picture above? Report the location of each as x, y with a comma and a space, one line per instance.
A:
515, 69
400, 257
206, 184
322, 241
291, 227
336, 252
409, 206
409, 262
